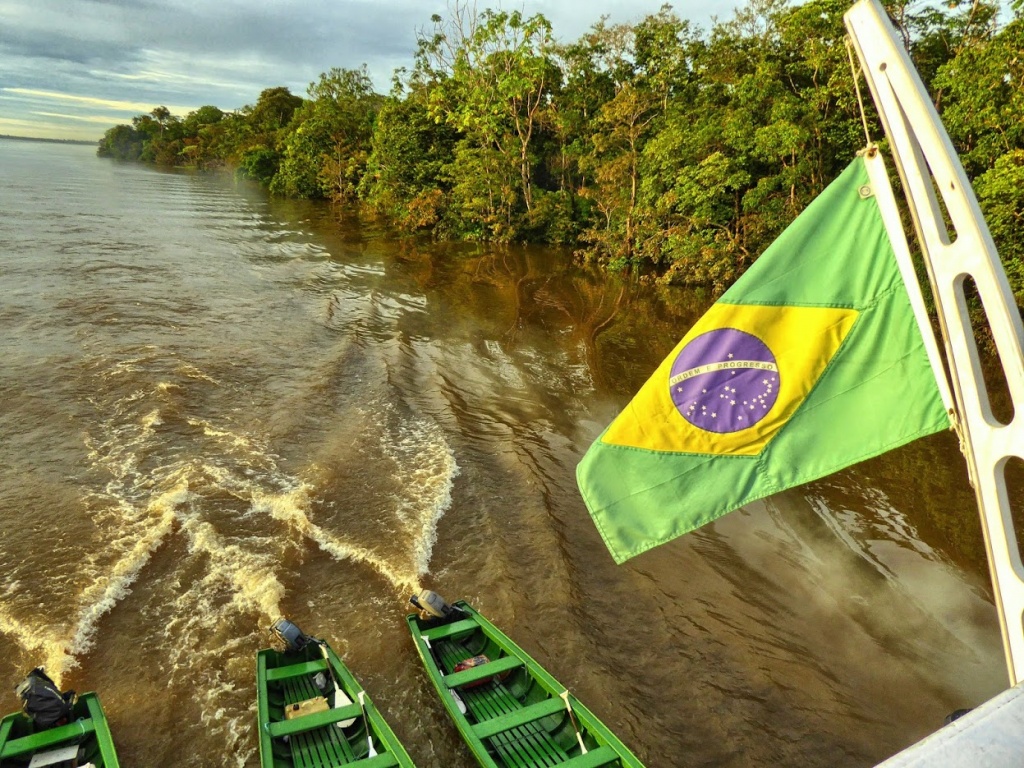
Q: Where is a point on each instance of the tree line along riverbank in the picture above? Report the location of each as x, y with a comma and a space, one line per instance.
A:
654, 146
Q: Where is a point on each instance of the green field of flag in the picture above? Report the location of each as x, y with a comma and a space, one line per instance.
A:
810, 362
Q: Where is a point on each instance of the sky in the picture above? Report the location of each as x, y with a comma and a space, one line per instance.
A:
72, 69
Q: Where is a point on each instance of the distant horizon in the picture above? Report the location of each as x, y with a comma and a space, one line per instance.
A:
12, 137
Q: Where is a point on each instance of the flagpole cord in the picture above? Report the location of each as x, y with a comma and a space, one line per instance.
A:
855, 72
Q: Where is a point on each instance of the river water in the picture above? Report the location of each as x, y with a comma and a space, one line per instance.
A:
217, 408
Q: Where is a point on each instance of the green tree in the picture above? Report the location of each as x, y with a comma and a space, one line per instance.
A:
197, 119
983, 87
163, 117
122, 142
767, 118
650, 65
933, 35
1001, 195
489, 76
325, 151
984, 98
405, 171
260, 132
650, 146
622, 127
273, 110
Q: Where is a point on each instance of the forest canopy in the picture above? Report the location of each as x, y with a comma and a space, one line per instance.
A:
653, 146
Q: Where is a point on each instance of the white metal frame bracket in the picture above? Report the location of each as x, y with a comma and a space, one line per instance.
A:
927, 162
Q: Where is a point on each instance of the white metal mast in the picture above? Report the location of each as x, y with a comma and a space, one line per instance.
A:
927, 163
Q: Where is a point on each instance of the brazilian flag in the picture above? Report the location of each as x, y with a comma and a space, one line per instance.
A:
810, 362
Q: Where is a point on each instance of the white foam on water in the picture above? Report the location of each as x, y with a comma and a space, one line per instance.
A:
285, 509
103, 594
426, 470
233, 439
140, 505
133, 514
124, 366
59, 646
203, 660
42, 641
424, 467
150, 420
226, 590
245, 573
189, 370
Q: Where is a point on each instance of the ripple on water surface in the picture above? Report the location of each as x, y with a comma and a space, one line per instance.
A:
219, 408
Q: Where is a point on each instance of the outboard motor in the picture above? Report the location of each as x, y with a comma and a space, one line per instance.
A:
43, 701
293, 638
433, 608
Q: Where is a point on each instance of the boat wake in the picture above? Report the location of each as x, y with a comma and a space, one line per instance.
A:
56, 647
339, 549
104, 593
213, 494
424, 466
421, 471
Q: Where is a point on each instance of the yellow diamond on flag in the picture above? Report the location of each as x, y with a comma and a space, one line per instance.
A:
812, 361
734, 380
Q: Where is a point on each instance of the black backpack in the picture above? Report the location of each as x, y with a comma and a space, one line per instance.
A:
43, 701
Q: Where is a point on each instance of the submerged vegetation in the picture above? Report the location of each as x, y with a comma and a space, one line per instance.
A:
651, 146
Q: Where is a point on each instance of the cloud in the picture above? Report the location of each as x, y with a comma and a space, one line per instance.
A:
142, 53
47, 129
124, 106
106, 120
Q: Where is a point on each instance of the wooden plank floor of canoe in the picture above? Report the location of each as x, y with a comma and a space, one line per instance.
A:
323, 747
525, 746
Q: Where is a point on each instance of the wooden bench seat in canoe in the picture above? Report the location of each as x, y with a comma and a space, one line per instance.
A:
315, 740
510, 728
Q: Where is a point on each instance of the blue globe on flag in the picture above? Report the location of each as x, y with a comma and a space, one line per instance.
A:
725, 380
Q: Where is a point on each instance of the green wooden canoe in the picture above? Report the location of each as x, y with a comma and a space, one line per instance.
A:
510, 712
329, 738
84, 740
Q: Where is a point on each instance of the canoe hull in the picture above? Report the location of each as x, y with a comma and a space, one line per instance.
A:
510, 711
318, 735
88, 730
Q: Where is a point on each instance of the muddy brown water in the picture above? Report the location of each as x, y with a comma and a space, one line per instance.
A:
217, 408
